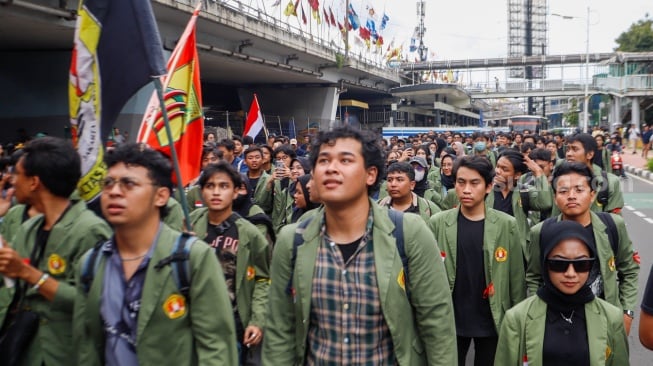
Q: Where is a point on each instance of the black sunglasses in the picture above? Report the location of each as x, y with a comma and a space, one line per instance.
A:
561, 265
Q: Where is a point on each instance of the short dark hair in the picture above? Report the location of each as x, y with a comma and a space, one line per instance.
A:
588, 142
55, 161
477, 135
540, 154
526, 146
402, 167
251, 149
480, 164
516, 159
286, 149
371, 149
248, 140
206, 150
221, 167
573, 167
227, 144
237, 138
159, 168
268, 148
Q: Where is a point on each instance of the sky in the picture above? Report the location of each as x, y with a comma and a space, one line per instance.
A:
462, 29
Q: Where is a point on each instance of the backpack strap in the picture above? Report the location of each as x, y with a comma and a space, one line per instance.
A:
523, 192
297, 241
603, 195
397, 218
179, 262
90, 265
612, 232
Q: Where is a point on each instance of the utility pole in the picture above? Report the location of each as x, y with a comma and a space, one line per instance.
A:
421, 30
587, 74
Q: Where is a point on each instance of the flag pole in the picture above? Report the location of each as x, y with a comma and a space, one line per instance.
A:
173, 152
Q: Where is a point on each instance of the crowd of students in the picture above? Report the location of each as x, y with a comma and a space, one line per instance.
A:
345, 249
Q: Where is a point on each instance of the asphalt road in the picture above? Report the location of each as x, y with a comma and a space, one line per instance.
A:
638, 213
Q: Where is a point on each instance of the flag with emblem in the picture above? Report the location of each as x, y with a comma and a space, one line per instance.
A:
183, 105
116, 51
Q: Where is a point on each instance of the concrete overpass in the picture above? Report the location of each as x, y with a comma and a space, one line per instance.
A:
242, 51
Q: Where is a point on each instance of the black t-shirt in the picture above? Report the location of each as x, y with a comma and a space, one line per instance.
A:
253, 182
565, 343
223, 239
347, 250
503, 204
471, 309
598, 158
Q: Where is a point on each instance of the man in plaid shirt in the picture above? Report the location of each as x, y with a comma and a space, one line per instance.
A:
342, 299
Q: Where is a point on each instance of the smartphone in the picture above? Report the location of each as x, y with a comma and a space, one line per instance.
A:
279, 165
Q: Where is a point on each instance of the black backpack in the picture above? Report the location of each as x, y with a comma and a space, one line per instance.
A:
397, 218
611, 229
178, 259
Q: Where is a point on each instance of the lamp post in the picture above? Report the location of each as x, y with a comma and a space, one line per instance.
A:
587, 64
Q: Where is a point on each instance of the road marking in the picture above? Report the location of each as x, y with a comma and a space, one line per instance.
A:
640, 178
639, 214
629, 208
649, 220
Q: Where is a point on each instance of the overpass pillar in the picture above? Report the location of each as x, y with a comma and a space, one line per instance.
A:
616, 111
635, 110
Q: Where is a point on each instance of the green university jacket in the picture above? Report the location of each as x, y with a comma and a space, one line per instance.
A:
203, 333
423, 333
622, 266
522, 334
502, 257
252, 268
78, 230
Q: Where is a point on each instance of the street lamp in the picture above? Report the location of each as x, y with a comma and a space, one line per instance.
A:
587, 64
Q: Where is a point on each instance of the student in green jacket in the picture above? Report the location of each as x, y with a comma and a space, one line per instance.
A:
483, 258
619, 271
565, 324
133, 311
47, 247
242, 251
400, 183
342, 299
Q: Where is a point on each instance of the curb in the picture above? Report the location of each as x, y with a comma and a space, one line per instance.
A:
646, 174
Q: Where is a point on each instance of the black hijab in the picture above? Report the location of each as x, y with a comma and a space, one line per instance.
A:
298, 212
556, 233
448, 181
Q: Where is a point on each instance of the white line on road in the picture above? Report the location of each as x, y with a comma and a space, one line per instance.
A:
640, 178
639, 214
649, 220
630, 208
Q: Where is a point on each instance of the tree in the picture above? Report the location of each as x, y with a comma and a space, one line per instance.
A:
638, 38
572, 116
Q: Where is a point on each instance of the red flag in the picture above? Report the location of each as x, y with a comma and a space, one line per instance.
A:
332, 17
254, 123
183, 102
303, 15
326, 16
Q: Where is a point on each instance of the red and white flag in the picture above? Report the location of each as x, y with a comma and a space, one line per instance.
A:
254, 123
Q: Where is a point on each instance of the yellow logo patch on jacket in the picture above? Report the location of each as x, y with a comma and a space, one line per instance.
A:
251, 272
500, 254
56, 264
175, 306
401, 279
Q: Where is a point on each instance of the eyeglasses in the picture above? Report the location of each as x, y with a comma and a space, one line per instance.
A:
125, 184
561, 265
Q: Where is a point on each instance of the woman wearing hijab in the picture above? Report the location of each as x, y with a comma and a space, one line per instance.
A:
302, 203
564, 324
459, 148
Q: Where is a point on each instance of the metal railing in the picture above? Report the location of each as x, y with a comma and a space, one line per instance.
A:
261, 16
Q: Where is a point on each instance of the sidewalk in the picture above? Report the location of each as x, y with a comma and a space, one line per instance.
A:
636, 164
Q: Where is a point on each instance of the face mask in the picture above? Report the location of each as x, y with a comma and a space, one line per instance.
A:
479, 146
419, 175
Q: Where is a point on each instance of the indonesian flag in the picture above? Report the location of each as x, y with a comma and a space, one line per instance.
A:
183, 103
254, 123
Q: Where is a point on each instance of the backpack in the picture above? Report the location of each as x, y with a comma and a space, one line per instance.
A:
178, 259
397, 218
608, 221
603, 194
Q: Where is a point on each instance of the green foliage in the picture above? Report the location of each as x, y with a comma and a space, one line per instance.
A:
572, 116
650, 164
638, 38
340, 60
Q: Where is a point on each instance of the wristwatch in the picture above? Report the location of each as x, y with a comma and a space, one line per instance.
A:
630, 313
